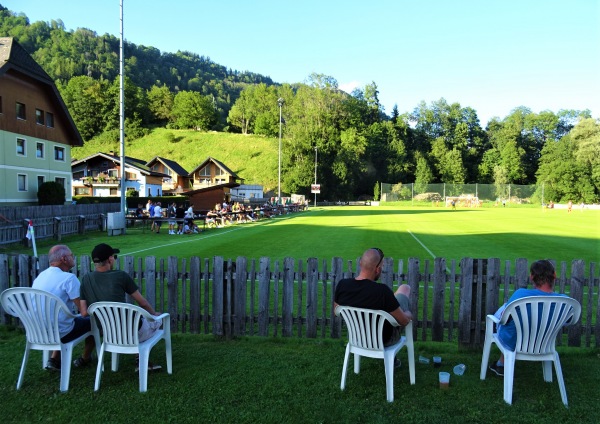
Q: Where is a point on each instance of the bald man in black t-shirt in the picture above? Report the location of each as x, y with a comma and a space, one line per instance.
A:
363, 291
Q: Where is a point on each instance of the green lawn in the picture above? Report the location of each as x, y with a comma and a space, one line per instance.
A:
264, 380
402, 232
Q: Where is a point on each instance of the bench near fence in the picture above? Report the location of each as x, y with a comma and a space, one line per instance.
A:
294, 298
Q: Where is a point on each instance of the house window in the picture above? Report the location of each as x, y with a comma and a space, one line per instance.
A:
59, 153
82, 191
41, 180
205, 172
131, 176
21, 145
39, 117
60, 181
39, 150
21, 182
113, 191
220, 172
49, 120
21, 113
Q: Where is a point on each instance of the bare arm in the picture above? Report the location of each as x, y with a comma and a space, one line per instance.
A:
83, 310
403, 318
141, 300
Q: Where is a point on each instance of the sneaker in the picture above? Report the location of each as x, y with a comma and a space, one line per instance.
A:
53, 364
82, 362
497, 369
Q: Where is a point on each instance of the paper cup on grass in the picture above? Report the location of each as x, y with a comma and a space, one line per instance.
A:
444, 380
460, 369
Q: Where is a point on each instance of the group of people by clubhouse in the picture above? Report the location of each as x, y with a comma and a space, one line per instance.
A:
183, 220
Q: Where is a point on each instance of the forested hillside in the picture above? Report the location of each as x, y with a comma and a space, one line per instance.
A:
353, 143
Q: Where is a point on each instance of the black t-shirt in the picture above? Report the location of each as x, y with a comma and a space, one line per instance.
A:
369, 295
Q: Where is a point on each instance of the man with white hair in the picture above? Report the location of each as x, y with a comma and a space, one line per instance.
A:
59, 281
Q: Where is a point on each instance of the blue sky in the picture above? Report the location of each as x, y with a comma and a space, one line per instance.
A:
491, 55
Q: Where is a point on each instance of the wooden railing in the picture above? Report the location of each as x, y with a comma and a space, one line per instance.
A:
294, 298
53, 221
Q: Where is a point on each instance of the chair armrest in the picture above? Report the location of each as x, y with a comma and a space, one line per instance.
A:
492, 318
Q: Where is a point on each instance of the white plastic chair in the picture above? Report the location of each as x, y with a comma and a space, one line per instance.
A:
538, 320
38, 311
119, 323
365, 334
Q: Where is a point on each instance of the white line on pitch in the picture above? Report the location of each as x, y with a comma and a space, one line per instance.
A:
419, 241
425, 247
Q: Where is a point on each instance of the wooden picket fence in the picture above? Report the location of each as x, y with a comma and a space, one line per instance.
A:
294, 298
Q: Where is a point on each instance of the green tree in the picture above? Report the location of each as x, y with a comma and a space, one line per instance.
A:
191, 110
160, 103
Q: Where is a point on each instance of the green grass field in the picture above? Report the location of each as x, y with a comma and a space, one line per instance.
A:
401, 232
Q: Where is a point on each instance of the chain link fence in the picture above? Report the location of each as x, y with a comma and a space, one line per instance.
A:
466, 194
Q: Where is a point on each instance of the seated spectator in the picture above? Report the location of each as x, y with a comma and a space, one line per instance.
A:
139, 212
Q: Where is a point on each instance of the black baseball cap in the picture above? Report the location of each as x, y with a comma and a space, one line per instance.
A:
102, 252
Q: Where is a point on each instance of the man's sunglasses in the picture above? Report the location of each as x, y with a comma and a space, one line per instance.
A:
381, 255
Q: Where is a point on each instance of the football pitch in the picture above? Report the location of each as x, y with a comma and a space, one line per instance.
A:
401, 232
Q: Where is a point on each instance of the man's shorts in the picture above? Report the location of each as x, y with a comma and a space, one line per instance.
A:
397, 331
82, 326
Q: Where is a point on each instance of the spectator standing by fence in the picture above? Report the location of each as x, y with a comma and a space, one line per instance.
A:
158, 213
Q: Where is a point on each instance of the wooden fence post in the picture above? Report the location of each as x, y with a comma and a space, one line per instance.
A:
577, 283
81, 224
465, 302
195, 294
336, 275
312, 279
56, 228
439, 288
287, 307
240, 296
412, 280
218, 300
264, 286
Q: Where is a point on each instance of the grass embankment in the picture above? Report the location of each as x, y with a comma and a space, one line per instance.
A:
251, 157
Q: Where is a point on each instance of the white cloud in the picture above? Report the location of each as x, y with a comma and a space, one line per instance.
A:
349, 86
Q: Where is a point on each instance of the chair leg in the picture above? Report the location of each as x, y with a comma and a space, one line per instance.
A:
561, 381
410, 349
388, 361
485, 359
23, 366
143, 370
169, 354
547, 371
99, 368
345, 367
509, 375
356, 363
66, 354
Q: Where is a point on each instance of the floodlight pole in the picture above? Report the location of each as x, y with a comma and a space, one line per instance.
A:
122, 117
315, 175
280, 102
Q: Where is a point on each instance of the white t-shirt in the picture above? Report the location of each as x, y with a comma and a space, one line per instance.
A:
157, 212
189, 213
64, 285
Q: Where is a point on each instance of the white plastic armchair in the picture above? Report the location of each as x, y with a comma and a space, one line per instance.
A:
538, 320
365, 338
119, 323
38, 311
